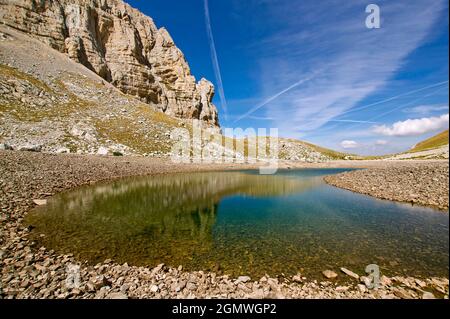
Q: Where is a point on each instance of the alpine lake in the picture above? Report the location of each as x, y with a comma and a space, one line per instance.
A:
243, 223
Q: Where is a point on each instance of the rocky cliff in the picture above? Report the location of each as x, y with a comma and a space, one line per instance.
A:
120, 44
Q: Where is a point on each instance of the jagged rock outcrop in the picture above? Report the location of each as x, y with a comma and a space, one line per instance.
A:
120, 44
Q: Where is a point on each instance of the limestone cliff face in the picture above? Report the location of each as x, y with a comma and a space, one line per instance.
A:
120, 44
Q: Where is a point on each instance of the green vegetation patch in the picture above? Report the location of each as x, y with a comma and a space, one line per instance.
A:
8, 71
436, 141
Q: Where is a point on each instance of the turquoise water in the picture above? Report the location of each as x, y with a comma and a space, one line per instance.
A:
242, 223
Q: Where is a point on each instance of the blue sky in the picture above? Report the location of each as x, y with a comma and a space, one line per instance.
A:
315, 71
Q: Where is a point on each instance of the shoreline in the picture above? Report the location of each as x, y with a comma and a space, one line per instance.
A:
418, 183
29, 271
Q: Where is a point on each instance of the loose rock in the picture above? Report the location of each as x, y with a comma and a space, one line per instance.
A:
329, 274
349, 273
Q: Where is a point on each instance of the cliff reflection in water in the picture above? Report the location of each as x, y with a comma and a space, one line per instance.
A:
146, 221
249, 224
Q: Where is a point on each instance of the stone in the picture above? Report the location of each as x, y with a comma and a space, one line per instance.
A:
428, 295
100, 282
361, 288
349, 273
385, 281
243, 279
440, 282
90, 286
178, 286
402, 294
25, 283
29, 148
84, 131
366, 281
297, 278
421, 283
157, 269
40, 202
62, 150
5, 147
102, 151
117, 295
191, 286
154, 288
329, 274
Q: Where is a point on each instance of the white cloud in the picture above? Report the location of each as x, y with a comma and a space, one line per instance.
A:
381, 142
427, 108
349, 144
324, 39
413, 126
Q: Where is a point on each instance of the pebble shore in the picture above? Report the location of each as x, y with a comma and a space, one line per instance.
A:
30, 271
419, 183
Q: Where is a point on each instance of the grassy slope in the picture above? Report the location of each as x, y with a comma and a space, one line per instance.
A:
329, 152
120, 129
436, 141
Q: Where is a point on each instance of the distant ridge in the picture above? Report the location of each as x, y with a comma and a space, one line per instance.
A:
435, 141
433, 148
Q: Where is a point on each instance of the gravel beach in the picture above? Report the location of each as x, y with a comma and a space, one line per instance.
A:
419, 183
30, 271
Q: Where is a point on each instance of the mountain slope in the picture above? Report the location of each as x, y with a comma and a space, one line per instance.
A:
436, 141
121, 45
296, 150
52, 103
435, 147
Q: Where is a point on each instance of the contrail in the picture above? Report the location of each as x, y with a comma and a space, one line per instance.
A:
393, 97
274, 97
358, 123
407, 104
214, 59
352, 121
401, 106
262, 118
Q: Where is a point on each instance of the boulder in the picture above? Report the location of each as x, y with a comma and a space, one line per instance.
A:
62, 150
102, 151
5, 147
84, 131
30, 148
